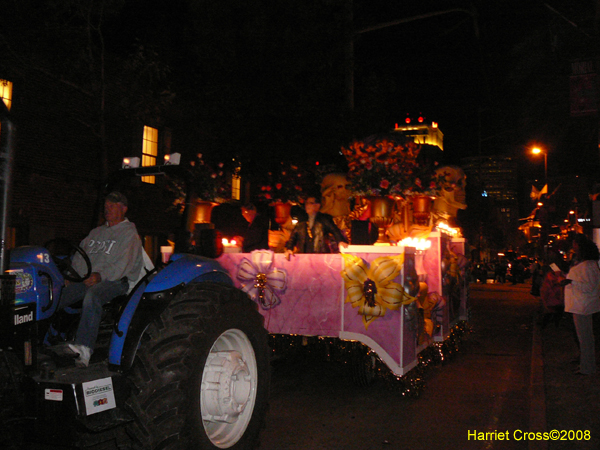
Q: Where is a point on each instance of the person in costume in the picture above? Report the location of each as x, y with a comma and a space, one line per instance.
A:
316, 233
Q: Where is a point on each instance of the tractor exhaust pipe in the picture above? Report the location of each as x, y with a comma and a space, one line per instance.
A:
7, 144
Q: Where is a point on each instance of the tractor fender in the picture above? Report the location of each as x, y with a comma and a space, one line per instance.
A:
150, 299
185, 268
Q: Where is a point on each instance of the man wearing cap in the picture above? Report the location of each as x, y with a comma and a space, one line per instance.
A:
115, 252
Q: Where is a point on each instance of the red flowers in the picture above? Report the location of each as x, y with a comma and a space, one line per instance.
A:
284, 185
388, 165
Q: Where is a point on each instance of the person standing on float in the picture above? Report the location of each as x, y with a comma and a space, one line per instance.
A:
311, 235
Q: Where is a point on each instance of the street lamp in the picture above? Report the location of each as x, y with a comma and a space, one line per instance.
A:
537, 151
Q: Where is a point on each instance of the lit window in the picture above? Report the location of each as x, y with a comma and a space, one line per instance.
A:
236, 187
149, 151
6, 92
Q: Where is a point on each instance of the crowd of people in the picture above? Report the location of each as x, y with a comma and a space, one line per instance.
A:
568, 286
571, 285
503, 270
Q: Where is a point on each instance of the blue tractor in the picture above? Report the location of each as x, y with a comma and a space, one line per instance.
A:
184, 363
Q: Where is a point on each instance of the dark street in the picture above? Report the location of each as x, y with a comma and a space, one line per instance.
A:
483, 388
509, 376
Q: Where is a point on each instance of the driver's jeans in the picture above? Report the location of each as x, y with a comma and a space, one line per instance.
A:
93, 299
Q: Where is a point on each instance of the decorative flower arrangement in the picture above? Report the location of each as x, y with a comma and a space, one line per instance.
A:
208, 182
286, 185
372, 289
389, 166
263, 282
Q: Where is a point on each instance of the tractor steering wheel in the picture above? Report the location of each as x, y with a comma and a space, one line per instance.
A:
66, 250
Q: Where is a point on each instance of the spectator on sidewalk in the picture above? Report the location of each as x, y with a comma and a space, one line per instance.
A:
500, 271
517, 272
551, 290
582, 298
537, 277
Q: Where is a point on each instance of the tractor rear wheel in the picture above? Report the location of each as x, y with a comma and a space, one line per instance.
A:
202, 373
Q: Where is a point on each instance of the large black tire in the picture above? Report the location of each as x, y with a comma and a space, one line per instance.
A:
203, 360
11, 401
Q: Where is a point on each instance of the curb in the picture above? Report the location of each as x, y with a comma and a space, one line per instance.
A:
537, 388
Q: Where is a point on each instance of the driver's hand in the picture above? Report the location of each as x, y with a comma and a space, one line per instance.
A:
93, 279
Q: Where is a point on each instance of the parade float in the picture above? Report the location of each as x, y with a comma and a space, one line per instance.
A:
393, 295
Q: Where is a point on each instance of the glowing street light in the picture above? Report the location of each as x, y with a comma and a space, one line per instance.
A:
537, 151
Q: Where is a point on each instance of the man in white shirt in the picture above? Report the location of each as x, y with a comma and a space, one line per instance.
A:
116, 255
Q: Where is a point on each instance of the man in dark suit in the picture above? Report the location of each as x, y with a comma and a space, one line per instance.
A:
313, 235
256, 235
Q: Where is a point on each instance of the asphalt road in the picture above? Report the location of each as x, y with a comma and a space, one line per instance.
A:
484, 387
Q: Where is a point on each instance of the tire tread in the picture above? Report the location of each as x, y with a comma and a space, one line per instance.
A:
167, 357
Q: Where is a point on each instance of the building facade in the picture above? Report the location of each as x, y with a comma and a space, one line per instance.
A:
493, 184
62, 162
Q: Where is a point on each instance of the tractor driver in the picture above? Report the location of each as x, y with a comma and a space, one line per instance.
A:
116, 255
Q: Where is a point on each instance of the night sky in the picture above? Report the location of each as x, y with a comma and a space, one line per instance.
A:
495, 82
266, 79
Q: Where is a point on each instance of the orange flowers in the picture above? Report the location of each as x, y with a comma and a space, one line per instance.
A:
386, 165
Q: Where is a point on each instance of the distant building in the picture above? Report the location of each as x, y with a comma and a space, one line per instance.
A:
496, 178
496, 174
422, 132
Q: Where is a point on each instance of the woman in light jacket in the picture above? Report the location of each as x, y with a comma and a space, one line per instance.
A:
582, 298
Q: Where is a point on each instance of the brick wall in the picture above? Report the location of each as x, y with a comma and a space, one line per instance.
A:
57, 169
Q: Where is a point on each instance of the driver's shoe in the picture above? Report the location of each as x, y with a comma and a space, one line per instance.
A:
60, 349
85, 353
